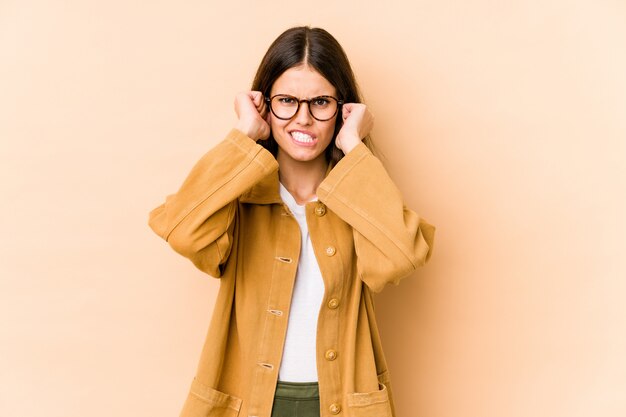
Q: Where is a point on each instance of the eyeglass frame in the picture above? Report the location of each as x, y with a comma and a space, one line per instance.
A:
300, 101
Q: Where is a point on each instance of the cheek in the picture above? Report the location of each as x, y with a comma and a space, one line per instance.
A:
329, 130
276, 124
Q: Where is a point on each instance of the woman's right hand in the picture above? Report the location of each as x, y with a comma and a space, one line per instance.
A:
253, 115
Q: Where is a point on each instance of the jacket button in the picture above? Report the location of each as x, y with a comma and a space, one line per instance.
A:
333, 303
320, 210
331, 355
335, 408
330, 251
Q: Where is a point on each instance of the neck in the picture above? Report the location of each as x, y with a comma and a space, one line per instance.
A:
301, 179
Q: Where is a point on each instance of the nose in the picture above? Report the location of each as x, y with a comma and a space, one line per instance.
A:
303, 116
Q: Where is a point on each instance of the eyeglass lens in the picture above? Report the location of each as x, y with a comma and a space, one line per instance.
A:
321, 108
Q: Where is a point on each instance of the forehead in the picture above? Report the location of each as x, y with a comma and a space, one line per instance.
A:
302, 81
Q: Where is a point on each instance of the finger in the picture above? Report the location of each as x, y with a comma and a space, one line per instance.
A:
345, 113
263, 110
239, 99
256, 100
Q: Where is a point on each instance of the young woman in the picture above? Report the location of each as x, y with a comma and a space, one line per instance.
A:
301, 223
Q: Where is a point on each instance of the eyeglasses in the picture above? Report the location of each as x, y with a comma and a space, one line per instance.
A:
322, 108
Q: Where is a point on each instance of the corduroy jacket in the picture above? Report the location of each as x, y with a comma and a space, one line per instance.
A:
229, 220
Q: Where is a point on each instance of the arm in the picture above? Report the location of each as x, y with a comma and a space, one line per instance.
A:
390, 240
198, 221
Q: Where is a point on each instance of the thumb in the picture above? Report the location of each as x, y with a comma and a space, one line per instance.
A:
257, 98
345, 111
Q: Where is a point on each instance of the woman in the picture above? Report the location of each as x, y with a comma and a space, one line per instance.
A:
300, 222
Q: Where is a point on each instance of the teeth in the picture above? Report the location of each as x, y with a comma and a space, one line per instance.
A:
302, 137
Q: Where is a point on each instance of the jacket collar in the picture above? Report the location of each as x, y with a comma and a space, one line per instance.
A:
267, 190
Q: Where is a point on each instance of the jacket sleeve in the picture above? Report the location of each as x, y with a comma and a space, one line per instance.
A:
198, 221
390, 240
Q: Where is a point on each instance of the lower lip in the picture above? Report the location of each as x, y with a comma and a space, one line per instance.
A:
306, 144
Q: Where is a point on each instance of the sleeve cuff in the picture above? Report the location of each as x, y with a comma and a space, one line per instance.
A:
343, 167
256, 152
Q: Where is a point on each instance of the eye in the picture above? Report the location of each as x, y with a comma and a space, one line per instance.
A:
287, 100
320, 101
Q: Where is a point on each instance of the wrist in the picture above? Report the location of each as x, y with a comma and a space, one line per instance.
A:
348, 142
243, 128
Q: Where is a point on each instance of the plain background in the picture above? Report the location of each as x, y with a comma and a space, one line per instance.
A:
503, 123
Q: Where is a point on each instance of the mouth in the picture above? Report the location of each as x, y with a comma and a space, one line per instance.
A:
303, 138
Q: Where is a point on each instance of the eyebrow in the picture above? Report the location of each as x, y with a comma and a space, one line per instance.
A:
300, 98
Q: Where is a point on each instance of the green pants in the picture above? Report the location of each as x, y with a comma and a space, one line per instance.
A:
296, 399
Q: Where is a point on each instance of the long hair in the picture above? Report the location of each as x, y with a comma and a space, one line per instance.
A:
321, 51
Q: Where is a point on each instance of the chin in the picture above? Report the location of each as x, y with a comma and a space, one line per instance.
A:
304, 156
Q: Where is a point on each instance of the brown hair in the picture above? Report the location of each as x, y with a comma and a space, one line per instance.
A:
321, 51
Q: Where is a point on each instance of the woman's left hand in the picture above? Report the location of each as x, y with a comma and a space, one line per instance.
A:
357, 124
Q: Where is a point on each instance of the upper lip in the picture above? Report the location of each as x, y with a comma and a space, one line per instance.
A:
303, 131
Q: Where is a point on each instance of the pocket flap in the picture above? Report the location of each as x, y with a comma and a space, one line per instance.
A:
214, 397
363, 399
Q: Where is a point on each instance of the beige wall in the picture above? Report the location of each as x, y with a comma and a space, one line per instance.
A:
502, 122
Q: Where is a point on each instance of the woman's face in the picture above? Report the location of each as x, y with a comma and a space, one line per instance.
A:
302, 138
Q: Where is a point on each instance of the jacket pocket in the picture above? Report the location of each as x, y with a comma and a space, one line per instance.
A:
371, 404
204, 401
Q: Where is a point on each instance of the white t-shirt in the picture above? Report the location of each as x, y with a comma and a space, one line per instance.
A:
298, 363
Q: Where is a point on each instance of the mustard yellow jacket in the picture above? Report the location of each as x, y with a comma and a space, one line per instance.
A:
229, 220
